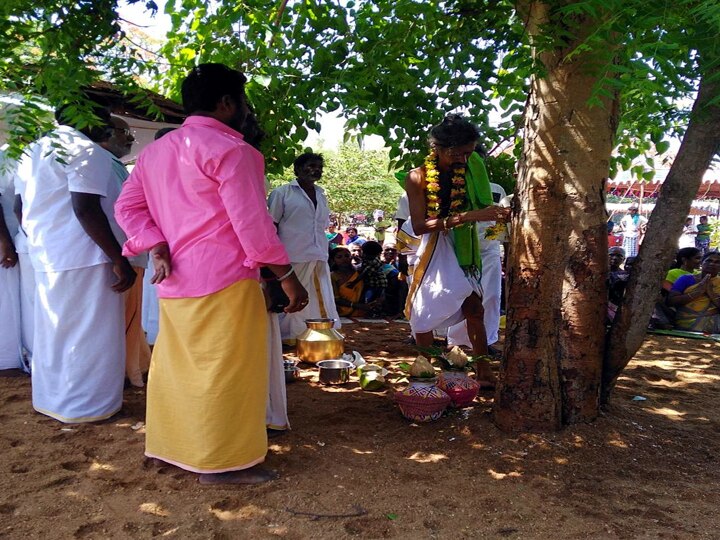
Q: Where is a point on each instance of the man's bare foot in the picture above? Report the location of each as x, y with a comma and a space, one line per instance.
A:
253, 475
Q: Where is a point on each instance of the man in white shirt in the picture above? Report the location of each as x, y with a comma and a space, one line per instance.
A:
137, 350
491, 281
11, 354
633, 226
67, 191
300, 211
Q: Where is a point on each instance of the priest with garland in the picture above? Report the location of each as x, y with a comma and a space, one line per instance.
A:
448, 195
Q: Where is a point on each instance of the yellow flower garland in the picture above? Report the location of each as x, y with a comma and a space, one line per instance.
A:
458, 194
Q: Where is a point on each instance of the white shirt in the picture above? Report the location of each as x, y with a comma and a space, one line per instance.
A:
403, 208
301, 225
490, 245
56, 240
629, 228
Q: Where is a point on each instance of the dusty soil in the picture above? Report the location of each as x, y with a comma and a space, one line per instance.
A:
353, 467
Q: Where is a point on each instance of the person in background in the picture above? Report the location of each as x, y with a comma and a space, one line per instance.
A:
11, 353
196, 200
617, 280
687, 261
137, 351
633, 226
300, 212
696, 297
380, 227
689, 232
356, 256
348, 285
334, 238
67, 190
372, 272
353, 238
702, 239
396, 290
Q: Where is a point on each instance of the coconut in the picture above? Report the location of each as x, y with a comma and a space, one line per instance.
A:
422, 368
457, 358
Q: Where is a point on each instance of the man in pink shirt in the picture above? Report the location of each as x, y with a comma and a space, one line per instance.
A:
196, 201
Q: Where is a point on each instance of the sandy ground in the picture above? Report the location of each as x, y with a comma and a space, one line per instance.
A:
353, 467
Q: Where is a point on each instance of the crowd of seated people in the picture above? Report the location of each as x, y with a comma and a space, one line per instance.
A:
366, 280
689, 298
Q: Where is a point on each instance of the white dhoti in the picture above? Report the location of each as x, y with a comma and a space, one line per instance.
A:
150, 306
492, 293
27, 295
276, 416
10, 335
78, 365
315, 277
439, 287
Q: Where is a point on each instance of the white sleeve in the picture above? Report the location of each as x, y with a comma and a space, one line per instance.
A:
89, 170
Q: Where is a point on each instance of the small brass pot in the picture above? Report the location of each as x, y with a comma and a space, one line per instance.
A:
320, 341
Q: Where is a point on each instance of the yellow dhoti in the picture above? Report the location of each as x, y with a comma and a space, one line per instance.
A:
208, 382
137, 350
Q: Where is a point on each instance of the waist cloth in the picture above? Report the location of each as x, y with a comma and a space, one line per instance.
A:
208, 381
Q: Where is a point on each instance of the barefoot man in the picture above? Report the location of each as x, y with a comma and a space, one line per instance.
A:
447, 196
196, 200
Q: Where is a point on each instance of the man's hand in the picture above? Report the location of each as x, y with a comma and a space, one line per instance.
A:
295, 292
491, 213
8, 255
125, 274
160, 256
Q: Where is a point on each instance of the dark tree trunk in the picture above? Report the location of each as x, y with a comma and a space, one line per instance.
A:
551, 371
700, 144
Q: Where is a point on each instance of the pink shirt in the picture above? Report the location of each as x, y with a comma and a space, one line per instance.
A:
201, 189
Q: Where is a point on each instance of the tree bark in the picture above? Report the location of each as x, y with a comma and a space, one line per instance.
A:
700, 143
551, 372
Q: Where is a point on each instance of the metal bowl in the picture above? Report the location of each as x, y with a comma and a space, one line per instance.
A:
335, 371
291, 374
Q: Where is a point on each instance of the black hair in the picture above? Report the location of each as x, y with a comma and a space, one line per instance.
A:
714, 252
98, 133
334, 251
371, 249
454, 130
684, 253
206, 85
160, 133
302, 159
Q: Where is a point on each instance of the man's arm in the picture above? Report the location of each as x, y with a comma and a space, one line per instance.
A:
95, 223
8, 255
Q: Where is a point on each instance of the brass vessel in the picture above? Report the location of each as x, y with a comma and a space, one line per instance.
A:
320, 341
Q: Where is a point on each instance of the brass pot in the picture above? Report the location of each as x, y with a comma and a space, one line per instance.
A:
320, 341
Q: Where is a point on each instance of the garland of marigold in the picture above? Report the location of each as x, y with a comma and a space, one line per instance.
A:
458, 193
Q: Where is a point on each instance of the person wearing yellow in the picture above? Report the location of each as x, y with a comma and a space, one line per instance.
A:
196, 200
697, 298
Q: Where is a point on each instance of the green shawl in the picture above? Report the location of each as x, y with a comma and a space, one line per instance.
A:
477, 185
